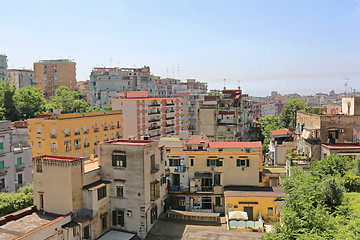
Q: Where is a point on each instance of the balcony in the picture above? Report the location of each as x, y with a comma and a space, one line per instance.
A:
169, 118
170, 125
118, 126
77, 133
67, 134
154, 105
154, 127
20, 168
156, 135
154, 168
153, 113
86, 131
3, 172
170, 111
170, 104
169, 132
154, 120
204, 188
77, 147
52, 135
86, 144
96, 129
112, 127
96, 143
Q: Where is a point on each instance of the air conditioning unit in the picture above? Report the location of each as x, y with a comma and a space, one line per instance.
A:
212, 167
128, 213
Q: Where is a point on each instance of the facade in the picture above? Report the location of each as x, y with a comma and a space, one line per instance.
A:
281, 143
108, 83
3, 67
49, 75
351, 150
226, 117
314, 129
198, 170
73, 134
123, 191
147, 117
22, 77
15, 162
84, 89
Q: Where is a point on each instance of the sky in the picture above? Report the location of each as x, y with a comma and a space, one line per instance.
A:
292, 46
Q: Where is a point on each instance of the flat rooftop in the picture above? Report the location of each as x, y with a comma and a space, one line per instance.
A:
91, 165
253, 191
128, 142
257, 144
17, 228
58, 158
341, 146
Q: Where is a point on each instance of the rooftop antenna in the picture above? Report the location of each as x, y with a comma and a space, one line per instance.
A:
167, 72
173, 73
110, 61
346, 85
239, 85
178, 72
224, 83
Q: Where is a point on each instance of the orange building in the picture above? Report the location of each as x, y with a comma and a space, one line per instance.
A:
51, 74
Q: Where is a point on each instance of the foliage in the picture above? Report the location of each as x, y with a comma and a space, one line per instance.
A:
29, 102
67, 101
318, 204
7, 105
108, 107
316, 110
267, 124
12, 202
288, 114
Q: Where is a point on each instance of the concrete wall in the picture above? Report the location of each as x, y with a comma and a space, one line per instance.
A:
207, 123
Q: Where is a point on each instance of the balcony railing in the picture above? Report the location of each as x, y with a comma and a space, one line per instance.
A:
170, 104
77, 147
20, 168
169, 132
77, 133
170, 125
96, 129
112, 127
170, 111
154, 127
153, 113
154, 105
154, 120
52, 135
3, 172
86, 131
154, 168
168, 118
67, 134
86, 144
205, 188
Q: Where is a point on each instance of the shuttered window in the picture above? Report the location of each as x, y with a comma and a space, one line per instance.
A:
118, 160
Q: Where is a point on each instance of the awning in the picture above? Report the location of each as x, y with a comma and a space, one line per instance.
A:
203, 175
305, 134
238, 215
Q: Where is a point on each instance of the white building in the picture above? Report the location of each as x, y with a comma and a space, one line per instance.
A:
21, 77
3, 67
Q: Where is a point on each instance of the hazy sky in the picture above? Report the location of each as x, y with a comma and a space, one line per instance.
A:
303, 46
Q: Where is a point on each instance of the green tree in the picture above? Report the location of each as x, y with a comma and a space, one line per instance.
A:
12, 202
108, 107
29, 102
288, 114
67, 101
267, 124
8, 110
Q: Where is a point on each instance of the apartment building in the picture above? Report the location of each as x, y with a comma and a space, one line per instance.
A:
73, 134
314, 129
22, 77
226, 117
51, 74
122, 192
3, 67
15, 161
148, 117
198, 170
281, 143
109, 83
84, 89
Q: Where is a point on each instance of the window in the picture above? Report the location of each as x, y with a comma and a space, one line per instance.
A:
41, 197
153, 214
154, 190
67, 145
174, 162
19, 161
86, 232
77, 143
191, 162
39, 168
2, 165
1, 145
104, 221
120, 191
53, 147
118, 218
242, 162
270, 211
38, 131
119, 159
20, 179
200, 148
217, 201
211, 162
39, 145
101, 192
217, 179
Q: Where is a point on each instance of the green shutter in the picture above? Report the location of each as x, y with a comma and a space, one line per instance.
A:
329, 134
208, 162
124, 160
20, 179
217, 201
170, 162
247, 162
1, 145
336, 133
238, 162
2, 165
122, 221
19, 161
114, 219
114, 160
219, 163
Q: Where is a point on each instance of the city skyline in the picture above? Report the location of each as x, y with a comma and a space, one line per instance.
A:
283, 46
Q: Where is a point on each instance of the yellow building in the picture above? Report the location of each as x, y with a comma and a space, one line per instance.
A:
74, 134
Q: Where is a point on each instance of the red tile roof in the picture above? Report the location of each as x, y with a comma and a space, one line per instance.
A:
235, 144
341, 146
283, 131
58, 158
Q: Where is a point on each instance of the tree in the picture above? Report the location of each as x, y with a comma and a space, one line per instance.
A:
67, 101
8, 110
12, 202
267, 124
29, 102
288, 114
108, 107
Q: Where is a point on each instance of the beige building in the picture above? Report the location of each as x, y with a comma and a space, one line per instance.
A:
148, 118
281, 143
73, 134
123, 192
84, 89
198, 170
314, 129
51, 74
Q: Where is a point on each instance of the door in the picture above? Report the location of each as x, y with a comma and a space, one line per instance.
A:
249, 211
176, 179
206, 203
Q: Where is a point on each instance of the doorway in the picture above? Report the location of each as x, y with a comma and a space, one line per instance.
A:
249, 211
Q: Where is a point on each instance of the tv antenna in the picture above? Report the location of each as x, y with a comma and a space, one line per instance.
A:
346, 85
224, 83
